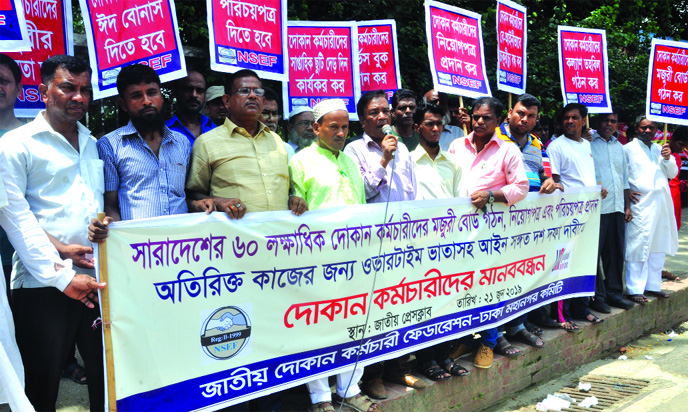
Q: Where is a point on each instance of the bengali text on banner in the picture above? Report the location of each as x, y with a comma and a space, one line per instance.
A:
378, 59
248, 34
583, 68
322, 64
14, 36
455, 50
124, 32
512, 39
208, 312
50, 31
667, 82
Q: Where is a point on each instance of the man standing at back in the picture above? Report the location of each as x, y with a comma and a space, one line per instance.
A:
242, 165
55, 163
611, 169
404, 103
190, 95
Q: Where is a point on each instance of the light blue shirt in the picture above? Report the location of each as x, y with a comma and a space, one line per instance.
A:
610, 169
147, 185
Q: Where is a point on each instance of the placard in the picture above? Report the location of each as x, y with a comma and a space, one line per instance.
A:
512, 41
667, 82
13, 34
378, 58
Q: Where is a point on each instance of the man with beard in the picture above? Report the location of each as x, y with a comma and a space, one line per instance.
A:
271, 113
214, 106
300, 128
611, 168
404, 103
652, 233
145, 161
190, 95
53, 161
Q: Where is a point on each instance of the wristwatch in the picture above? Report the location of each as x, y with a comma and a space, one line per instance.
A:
490, 197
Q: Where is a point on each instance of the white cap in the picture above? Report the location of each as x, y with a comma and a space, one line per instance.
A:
298, 110
328, 106
213, 92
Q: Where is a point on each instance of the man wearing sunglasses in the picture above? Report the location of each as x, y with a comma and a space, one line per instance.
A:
242, 165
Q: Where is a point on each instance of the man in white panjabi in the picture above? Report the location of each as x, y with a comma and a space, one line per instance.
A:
652, 234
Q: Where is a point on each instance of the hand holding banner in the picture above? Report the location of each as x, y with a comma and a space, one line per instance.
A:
455, 50
667, 81
583, 68
512, 29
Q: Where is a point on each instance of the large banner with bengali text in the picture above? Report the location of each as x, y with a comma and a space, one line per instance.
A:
208, 312
667, 82
50, 30
512, 42
378, 57
583, 69
14, 36
124, 32
323, 64
248, 34
455, 50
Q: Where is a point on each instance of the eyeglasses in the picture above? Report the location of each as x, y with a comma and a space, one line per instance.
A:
245, 91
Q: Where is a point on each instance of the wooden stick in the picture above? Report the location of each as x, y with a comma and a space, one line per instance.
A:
465, 130
665, 134
107, 332
510, 101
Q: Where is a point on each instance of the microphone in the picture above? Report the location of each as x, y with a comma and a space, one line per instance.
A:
387, 129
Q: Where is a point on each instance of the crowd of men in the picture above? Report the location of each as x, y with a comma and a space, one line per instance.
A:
220, 152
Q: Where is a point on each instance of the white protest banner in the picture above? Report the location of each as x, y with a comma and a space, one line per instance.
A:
322, 64
124, 32
248, 34
667, 82
378, 58
512, 41
207, 312
455, 50
50, 29
583, 68
13, 34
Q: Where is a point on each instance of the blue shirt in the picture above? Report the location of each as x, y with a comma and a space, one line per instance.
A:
532, 157
175, 124
610, 169
147, 185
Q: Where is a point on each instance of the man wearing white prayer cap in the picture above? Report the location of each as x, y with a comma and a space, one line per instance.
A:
300, 127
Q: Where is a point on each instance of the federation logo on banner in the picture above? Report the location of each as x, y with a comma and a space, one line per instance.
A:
14, 36
124, 32
378, 58
322, 64
225, 333
248, 34
667, 81
583, 68
512, 28
49, 27
455, 50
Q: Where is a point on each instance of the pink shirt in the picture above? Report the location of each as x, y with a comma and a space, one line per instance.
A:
499, 166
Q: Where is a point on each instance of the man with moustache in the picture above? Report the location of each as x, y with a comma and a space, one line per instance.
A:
271, 113
326, 177
242, 165
449, 132
300, 128
54, 162
404, 103
611, 169
652, 233
189, 93
214, 106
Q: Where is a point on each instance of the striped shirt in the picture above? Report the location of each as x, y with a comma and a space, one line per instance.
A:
147, 185
532, 156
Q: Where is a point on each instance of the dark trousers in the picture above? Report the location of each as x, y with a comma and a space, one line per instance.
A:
612, 249
47, 325
7, 269
392, 367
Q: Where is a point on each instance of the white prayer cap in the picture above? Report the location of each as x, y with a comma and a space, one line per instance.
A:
328, 106
213, 92
298, 110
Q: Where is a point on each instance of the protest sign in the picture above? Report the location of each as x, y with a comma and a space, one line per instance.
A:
248, 34
512, 39
667, 82
583, 68
378, 58
13, 34
124, 32
207, 312
322, 64
49, 26
455, 50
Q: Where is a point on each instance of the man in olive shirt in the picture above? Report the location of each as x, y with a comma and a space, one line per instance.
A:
242, 165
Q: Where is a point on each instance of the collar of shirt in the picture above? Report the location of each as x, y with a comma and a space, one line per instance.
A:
232, 127
370, 142
206, 125
505, 134
597, 136
41, 125
129, 130
419, 152
468, 141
